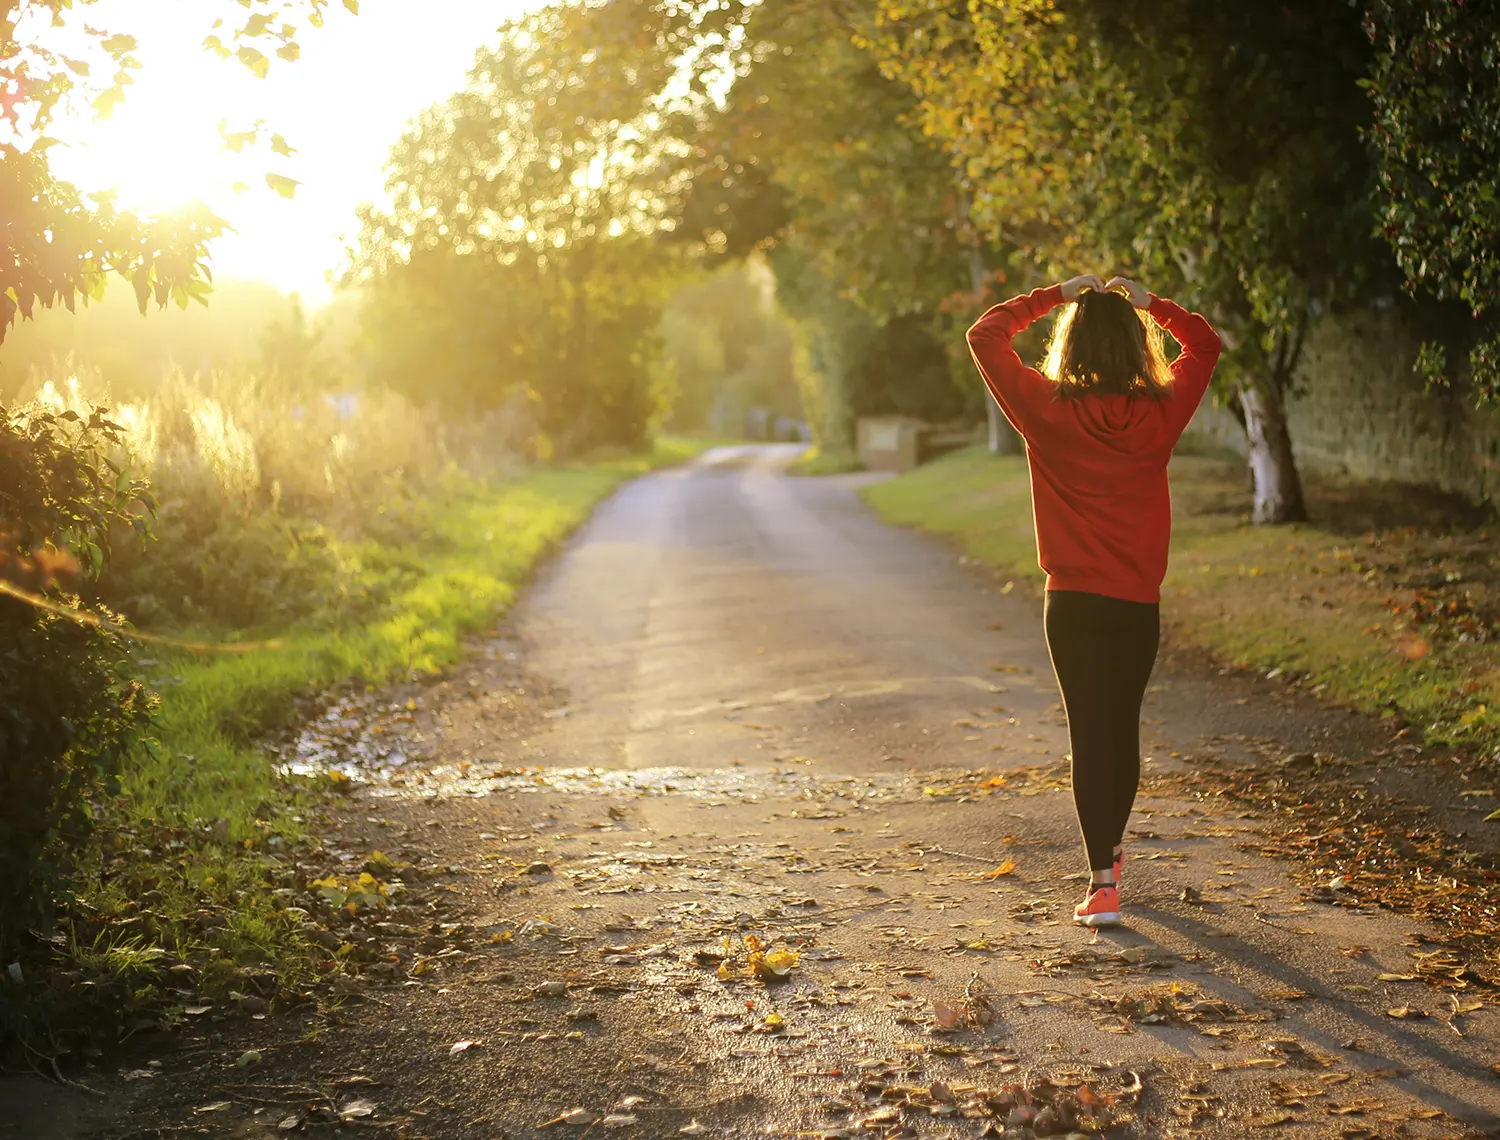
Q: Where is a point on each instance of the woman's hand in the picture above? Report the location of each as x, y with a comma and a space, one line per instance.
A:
1139, 295
1076, 285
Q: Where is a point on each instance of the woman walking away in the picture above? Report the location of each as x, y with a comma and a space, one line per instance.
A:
1099, 427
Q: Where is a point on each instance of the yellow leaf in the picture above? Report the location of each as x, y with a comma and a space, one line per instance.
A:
1001, 871
775, 966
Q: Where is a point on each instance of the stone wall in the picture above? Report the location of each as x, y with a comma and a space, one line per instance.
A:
1359, 411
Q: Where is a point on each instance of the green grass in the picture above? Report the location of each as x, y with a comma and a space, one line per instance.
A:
467, 553
1315, 604
199, 818
980, 502
816, 461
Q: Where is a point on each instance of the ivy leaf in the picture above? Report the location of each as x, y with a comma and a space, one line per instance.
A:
282, 147
256, 25
286, 187
353, 6
290, 52
118, 45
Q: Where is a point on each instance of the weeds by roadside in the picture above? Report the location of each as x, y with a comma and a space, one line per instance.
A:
191, 895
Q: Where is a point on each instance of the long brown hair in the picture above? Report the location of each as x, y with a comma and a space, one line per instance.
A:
1103, 345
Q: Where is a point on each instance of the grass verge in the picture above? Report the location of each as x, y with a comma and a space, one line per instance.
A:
816, 461
188, 895
1388, 601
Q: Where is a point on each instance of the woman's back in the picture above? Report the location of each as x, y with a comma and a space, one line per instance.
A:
1099, 433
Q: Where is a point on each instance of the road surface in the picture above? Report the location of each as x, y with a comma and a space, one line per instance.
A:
737, 705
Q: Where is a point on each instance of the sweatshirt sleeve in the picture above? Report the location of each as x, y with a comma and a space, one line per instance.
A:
1194, 366
1018, 390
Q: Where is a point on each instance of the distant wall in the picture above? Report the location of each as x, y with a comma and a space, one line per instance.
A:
1360, 411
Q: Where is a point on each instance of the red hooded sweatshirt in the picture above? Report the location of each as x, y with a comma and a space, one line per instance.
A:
1098, 463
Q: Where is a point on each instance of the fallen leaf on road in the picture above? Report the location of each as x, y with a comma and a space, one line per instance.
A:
578, 1117
947, 1016
618, 1120
248, 1059
1270, 1120
1406, 1012
462, 1047
776, 966
1357, 1108
1001, 871
1285, 993
693, 1129
357, 1110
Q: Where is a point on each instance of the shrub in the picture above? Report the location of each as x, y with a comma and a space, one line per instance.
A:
69, 715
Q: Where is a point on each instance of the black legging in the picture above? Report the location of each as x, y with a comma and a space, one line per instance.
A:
1102, 651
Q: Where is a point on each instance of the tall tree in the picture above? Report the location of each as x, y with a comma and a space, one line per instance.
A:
527, 210
870, 229
1436, 136
1212, 149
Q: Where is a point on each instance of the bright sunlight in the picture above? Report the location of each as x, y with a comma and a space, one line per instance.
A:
339, 107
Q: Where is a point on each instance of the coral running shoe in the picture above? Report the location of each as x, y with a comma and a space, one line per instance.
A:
1100, 908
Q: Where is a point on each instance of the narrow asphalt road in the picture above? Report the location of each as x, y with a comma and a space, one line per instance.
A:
773, 636
763, 719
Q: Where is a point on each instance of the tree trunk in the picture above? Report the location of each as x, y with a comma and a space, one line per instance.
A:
1003, 437
1278, 487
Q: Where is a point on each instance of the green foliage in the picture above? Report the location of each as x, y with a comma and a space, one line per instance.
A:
727, 349
1435, 84
66, 706
1212, 150
868, 225
521, 260
220, 571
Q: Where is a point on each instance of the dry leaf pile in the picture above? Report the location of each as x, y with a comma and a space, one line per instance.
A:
882, 1104
1175, 1003
1367, 849
980, 782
